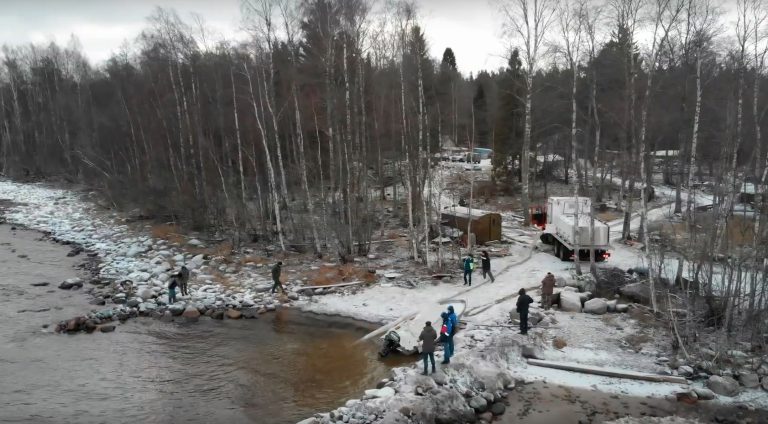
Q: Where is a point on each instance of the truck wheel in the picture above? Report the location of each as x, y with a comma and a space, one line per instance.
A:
565, 253
557, 248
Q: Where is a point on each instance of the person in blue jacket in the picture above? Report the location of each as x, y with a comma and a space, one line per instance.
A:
469, 267
452, 324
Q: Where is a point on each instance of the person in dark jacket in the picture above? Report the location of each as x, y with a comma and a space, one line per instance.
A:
429, 337
523, 301
183, 280
172, 290
469, 268
276, 271
486, 260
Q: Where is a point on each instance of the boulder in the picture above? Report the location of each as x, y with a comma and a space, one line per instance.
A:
486, 416
685, 371
749, 380
191, 313
250, 312
704, 394
133, 302
570, 302
622, 307
764, 383
441, 379
636, 292
176, 309
611, 305
217, 315
498, 408
596, 306
107, 328
146, 294
724, 386
479, 404
233, 314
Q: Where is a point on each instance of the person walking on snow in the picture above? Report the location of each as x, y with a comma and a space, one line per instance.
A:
172, 291
469, 267
486, 262
428, 337
276, 271
523, 301
547, 290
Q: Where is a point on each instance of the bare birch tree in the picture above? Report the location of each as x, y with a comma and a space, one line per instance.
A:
528, 22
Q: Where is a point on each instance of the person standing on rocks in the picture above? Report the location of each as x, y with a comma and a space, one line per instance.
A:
276, 271
183, 279
428, 337
547, 290
523, 301
172, 290
469, 267
485, 258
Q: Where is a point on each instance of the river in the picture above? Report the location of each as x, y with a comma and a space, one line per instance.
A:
278, 369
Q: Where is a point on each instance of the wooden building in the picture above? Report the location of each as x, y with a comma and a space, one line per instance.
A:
486, 226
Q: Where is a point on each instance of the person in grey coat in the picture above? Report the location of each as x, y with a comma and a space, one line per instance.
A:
429, 337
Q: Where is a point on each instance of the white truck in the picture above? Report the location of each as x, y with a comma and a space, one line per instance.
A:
566, 226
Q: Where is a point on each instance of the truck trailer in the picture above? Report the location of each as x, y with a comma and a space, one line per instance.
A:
566, 226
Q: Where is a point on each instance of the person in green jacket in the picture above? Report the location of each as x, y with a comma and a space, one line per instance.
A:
276, 271
469, 267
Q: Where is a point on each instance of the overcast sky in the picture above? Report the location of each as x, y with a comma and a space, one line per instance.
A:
470, 27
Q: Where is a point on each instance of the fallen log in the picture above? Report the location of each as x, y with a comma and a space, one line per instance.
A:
330, 286
608, 372
385, 328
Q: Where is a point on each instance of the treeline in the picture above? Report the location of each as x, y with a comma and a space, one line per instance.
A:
293, 136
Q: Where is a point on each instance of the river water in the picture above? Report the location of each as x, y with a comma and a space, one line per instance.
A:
278, 369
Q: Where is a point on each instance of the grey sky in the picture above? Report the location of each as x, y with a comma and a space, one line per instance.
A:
470, 27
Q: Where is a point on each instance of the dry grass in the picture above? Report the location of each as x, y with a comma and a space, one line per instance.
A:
253, 259
168, 232
328, 275
559, 343
223, 249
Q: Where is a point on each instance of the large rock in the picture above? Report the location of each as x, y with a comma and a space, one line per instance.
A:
764, 383
133, 302
191, 313
479, 404
636, 292
234, 314
596, 306
685, 371
570, 302
704, 394
176, 309
107, 328
724, 386
71, 283
250, 312
749, 380
146, 294
498, 408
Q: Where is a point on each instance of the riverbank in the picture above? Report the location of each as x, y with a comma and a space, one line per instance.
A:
156, 372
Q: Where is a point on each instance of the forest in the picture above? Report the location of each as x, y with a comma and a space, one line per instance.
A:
293, 136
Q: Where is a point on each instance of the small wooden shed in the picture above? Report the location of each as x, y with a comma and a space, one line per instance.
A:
486, 226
